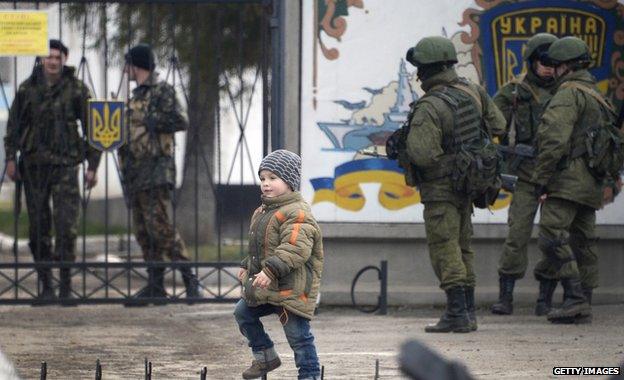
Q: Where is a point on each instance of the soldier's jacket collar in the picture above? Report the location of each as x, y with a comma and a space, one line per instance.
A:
151, 81
446, 76
577, 76
282, 200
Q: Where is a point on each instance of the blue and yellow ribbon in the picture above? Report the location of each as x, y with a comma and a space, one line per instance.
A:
345, 192
343, 189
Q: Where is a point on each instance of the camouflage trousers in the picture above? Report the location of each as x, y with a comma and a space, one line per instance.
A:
43, 183
524, 204
153, 228
449, 230
567, 240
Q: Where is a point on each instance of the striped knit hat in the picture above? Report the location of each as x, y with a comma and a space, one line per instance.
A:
286, 165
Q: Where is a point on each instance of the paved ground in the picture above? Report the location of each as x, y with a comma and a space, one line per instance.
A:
180, 340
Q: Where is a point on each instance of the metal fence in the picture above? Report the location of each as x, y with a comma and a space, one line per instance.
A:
217, 56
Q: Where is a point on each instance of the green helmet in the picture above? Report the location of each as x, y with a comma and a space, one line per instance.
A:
432, 50
541, 42
568, 49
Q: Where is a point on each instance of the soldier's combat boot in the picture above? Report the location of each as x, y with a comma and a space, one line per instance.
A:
504, 306
455, 318
65, 283
191, 283
544, 299
587, 292
574, 304
264, 362
46, 291
470, 307
65, 289
158, 289
155, 288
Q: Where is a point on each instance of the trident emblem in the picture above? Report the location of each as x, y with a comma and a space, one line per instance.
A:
106, 124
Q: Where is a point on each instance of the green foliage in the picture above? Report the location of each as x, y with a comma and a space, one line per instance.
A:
207, 37
7, 225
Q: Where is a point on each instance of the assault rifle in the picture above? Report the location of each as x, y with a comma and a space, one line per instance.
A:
522, 150
373, 151
509, 182
516, 154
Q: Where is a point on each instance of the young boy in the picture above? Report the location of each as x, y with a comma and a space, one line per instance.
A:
282, 272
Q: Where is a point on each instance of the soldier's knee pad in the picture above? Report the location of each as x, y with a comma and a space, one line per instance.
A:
549, 246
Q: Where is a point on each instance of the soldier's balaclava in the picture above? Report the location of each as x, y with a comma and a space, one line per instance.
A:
284, 164
425, 72
541, 56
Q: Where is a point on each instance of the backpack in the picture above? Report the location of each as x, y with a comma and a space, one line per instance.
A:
601, 145
472, 160
477, 164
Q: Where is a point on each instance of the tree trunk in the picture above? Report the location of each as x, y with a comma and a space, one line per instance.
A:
196, 210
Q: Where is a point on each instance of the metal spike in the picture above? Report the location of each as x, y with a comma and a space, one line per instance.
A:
376, 369
44, 370
148, 370
98, 370
203, 373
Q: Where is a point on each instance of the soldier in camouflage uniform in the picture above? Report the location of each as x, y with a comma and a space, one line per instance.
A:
521, 101
43, 129
431, 149
570, 190
148, 169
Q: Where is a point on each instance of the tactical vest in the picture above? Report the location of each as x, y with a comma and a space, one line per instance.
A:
596, 138
526, 111
470, 158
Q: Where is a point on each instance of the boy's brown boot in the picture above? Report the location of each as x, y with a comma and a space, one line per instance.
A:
260, 368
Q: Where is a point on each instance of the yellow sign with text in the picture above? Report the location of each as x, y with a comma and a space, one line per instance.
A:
24, 33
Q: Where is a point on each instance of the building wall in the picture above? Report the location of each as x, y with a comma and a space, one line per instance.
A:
411, 281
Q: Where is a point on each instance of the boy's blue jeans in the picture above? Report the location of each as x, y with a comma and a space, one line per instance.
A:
296, 328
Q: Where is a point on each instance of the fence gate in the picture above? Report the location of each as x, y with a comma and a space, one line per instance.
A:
217, 56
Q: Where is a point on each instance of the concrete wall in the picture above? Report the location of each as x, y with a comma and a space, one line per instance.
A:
351, 246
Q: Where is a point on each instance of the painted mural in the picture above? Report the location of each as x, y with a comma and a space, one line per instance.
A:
356, 88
